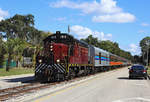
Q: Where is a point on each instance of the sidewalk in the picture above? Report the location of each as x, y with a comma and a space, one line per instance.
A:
15, 80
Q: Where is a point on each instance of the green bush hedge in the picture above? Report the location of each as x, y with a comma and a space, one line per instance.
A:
15, 71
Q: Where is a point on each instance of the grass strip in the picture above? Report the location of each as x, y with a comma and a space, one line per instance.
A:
16, 71
148, 71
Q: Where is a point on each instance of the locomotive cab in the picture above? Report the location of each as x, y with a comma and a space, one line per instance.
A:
59, 46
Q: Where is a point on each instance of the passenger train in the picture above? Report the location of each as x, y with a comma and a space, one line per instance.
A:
63, 57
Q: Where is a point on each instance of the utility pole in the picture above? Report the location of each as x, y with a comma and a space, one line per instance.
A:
147, 43
68, 29
143, 58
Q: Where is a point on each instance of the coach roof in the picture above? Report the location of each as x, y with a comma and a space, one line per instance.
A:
101, 50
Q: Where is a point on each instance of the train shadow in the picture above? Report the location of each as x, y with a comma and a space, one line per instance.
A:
29, 79
127, 78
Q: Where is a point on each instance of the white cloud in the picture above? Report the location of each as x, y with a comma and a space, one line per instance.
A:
109, 35
114, 18
142, 32
3, 14
102, 9
144, 24
134, 49
1, 18
105, 6
83, 32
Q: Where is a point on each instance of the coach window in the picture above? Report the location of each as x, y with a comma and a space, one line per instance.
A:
99, 58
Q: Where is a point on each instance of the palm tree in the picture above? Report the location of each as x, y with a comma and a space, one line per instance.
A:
19, 47
10, 44
2, 50
36, 40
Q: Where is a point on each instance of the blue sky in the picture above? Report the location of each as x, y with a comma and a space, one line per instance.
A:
123, 21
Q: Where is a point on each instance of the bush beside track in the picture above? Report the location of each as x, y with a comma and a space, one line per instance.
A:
148, 71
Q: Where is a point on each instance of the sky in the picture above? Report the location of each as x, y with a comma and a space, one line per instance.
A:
126, 22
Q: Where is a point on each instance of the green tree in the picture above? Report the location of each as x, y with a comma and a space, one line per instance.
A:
2, 50
91, 40
37, 38
143, 44
19, 47
18, 26
9, 46
20, 33
145, 48
137, 59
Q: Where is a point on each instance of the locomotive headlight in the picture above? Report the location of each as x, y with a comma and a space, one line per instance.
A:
51, 49
58, 61
40, 61
51, 46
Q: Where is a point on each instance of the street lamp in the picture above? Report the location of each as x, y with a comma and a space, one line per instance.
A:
147, 43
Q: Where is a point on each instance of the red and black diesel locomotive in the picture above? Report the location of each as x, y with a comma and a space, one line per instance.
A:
65, 57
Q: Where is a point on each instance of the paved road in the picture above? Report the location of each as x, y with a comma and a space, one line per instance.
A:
111, 86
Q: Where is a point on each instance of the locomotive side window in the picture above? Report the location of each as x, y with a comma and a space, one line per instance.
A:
53, 37
99, 58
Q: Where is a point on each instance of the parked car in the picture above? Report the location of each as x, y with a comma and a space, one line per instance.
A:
138, 71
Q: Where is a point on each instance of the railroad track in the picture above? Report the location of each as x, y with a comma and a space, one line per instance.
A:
7, 93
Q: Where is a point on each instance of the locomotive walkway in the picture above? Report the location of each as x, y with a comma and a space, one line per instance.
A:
113, 86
